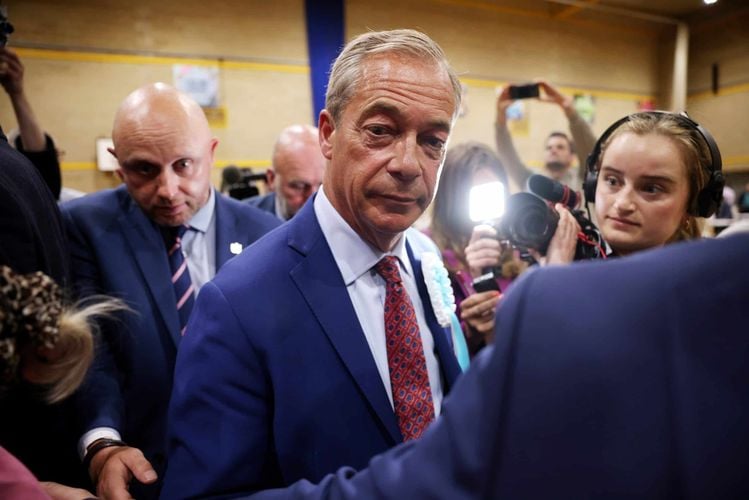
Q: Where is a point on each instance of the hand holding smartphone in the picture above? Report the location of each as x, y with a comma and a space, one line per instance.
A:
527, 91
486, 282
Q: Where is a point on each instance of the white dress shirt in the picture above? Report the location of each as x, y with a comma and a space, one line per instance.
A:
356, 260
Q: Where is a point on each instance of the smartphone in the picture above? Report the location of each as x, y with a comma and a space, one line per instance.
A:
5, 27
527, 91
486, 282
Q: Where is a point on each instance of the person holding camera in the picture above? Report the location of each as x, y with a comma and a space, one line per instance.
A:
484, 248
652, 176
560, 149
467, 165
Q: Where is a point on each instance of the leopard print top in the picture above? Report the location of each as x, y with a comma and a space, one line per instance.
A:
30, 309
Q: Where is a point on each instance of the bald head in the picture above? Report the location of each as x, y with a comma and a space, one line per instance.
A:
298, 166
158, 104
165, 150
294, 138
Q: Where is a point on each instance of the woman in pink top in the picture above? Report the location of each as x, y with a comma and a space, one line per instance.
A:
467, 165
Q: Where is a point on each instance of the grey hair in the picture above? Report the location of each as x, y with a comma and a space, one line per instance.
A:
346, 70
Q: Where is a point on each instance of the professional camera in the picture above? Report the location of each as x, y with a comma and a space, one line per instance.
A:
530, 221
5, 27
239, 183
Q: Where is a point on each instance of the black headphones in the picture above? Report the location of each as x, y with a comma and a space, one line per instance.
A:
708, 199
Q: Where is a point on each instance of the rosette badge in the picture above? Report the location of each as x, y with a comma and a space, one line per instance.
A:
443, 302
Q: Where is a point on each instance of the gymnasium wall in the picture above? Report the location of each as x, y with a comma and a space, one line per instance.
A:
83, 57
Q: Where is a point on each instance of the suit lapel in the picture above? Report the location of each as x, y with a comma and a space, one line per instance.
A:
226, 228
442, 340
319, 280
146, 247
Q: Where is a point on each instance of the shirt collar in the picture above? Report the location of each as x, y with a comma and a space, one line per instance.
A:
352, 254
278, 208
202, 218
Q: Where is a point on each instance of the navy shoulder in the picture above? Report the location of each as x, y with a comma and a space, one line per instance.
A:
99, 200
263, 219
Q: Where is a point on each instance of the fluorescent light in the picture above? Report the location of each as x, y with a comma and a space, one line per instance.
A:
709, 2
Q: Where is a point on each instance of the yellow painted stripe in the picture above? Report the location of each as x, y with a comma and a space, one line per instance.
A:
728, 162
77, 165
736, 163
736, 159
282, 68
608, 94
731, 89
90, 165
102, 57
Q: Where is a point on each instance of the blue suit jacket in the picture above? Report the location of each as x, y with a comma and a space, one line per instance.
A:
275, 380
117, 250
265, 202
621, 379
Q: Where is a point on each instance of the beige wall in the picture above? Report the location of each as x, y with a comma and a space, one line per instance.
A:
102, 50
725, 42
96, 61
491, 46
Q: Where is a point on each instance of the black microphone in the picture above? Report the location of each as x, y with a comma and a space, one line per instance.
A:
554, 191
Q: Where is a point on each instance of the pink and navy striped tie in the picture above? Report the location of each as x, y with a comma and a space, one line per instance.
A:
183, 288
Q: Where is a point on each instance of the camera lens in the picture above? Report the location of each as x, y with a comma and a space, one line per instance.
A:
529, 222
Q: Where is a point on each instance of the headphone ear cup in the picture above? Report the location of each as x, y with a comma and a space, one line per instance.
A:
589, 186
711, 195
591, 176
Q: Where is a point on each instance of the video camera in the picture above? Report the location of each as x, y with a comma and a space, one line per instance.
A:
5, 27
239, 183
529, 219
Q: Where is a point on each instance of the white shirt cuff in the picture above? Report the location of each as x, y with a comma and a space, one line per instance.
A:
93, 435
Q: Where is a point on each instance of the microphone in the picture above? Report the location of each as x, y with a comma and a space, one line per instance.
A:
554, 191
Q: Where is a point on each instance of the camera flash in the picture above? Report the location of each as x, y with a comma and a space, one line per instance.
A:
486, 202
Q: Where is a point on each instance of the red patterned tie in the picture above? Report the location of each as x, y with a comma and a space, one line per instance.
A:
409, 380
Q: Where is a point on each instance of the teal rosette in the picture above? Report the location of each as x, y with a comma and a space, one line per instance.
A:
443, 303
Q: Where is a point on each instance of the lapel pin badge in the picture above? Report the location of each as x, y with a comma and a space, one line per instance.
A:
235, 248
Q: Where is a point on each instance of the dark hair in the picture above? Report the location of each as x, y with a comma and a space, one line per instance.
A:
451, 225
564, 136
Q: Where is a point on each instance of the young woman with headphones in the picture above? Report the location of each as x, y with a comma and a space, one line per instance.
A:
651, 175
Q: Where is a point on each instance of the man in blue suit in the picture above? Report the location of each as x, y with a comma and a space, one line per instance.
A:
165, 151
638, 390
298, 166
302, 378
